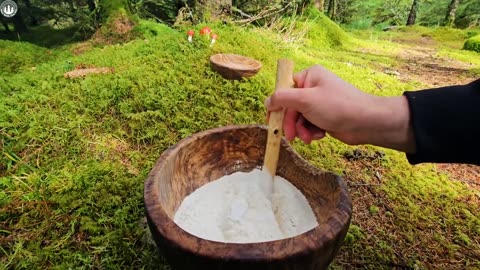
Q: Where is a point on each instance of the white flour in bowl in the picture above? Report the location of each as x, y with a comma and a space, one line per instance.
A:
241, 208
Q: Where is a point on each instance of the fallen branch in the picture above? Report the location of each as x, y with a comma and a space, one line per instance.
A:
263, 14
86, 71
239, 11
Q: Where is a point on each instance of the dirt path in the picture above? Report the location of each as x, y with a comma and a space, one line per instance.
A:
377, 215
422, 64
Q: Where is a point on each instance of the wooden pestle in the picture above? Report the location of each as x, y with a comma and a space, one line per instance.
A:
275, 123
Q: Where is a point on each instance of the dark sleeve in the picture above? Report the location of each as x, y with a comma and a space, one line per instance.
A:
446, 124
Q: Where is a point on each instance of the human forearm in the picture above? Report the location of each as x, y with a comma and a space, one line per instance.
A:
338, 108
386, 123
436, 125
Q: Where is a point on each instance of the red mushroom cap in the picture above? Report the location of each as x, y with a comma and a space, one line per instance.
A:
191, 32
205, 30
214, 36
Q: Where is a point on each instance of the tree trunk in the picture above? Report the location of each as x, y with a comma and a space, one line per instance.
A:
113, 8
117, 21
452, 9
33, 20
413, 13
320, 5
18, 23
332, 9
212, 10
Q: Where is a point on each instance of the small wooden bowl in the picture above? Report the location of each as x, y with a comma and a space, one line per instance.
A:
234, 67
208, 155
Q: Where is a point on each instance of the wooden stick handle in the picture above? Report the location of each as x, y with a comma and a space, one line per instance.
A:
275, 124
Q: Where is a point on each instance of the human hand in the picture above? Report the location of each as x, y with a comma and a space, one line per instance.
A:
324, 103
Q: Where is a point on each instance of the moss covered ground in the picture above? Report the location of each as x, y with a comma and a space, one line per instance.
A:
75, 153
473, 44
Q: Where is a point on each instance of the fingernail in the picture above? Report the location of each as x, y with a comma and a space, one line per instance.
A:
318, 136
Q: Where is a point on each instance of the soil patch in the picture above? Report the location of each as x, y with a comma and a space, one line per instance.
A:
423, 65
466, 173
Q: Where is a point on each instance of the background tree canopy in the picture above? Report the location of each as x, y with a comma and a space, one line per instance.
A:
364, 14
88, 15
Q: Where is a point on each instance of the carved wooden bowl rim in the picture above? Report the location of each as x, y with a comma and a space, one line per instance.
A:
253, 65
302, 244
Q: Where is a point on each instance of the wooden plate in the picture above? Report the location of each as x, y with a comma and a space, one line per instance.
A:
234, 66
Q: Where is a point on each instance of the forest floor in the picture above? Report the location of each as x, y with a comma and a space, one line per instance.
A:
419, 60
424, 64
424, 61
75, 152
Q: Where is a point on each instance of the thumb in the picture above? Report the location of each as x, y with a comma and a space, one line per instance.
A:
288, 98
299, 78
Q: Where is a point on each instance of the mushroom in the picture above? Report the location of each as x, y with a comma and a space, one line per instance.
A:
205, 31
214, 38
190, 35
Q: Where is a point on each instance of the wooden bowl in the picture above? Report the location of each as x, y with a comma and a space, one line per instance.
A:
234, 67
208, 155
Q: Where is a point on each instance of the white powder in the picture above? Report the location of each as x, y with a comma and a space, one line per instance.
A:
241, 208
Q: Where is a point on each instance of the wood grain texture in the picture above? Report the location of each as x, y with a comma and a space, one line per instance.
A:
275, 123
234, 66
206, 156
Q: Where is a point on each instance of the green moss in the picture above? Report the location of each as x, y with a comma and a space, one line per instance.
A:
469, 57
18, 56
324, 33
112, 7
150, 29
373, 209
463, 238
447, 34
475, 72
472, 32
472, 44
75, 153
354, 234
49, 35
440, 36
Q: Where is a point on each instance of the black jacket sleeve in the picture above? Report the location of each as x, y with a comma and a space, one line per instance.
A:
446, 124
